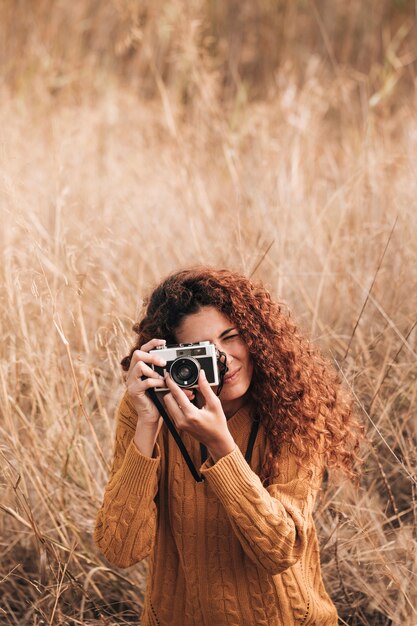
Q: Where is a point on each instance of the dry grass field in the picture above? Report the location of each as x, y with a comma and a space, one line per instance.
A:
275, 138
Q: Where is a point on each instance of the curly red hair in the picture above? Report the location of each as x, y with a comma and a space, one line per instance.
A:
297, 394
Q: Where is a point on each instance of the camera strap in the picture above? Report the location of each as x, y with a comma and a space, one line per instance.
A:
248, 455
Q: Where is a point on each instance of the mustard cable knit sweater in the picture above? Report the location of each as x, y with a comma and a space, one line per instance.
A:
224, 552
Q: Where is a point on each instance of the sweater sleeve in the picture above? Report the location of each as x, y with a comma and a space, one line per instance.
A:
126, 521
271, 523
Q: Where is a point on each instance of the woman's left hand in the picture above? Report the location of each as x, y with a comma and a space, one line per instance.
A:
207, 424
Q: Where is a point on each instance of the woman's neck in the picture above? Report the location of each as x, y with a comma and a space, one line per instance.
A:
232, 406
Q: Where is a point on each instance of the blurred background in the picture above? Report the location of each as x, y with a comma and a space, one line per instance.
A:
274, 137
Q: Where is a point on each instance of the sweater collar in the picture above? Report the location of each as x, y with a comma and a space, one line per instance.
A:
240, 421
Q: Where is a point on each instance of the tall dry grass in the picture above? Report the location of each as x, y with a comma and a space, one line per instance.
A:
51, 47
311, 187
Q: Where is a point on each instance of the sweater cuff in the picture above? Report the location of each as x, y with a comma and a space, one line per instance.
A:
230, 477
138, 472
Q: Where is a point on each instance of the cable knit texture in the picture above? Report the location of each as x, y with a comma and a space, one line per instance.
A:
224, 552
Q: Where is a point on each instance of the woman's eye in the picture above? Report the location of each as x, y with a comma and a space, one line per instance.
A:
231, 336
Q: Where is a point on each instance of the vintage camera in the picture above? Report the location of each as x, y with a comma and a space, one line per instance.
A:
184, 362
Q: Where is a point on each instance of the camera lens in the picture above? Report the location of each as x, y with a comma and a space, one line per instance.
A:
184, 371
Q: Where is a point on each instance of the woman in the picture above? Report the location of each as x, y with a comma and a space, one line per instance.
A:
240, 547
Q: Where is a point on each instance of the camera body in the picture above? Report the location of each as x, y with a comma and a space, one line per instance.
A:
184, 362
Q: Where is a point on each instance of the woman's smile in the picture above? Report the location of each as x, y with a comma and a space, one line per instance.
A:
231, 377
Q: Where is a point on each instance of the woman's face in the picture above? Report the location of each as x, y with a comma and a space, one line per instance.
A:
208, 324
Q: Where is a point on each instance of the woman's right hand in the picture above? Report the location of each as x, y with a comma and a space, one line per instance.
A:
148, 414
149, 421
